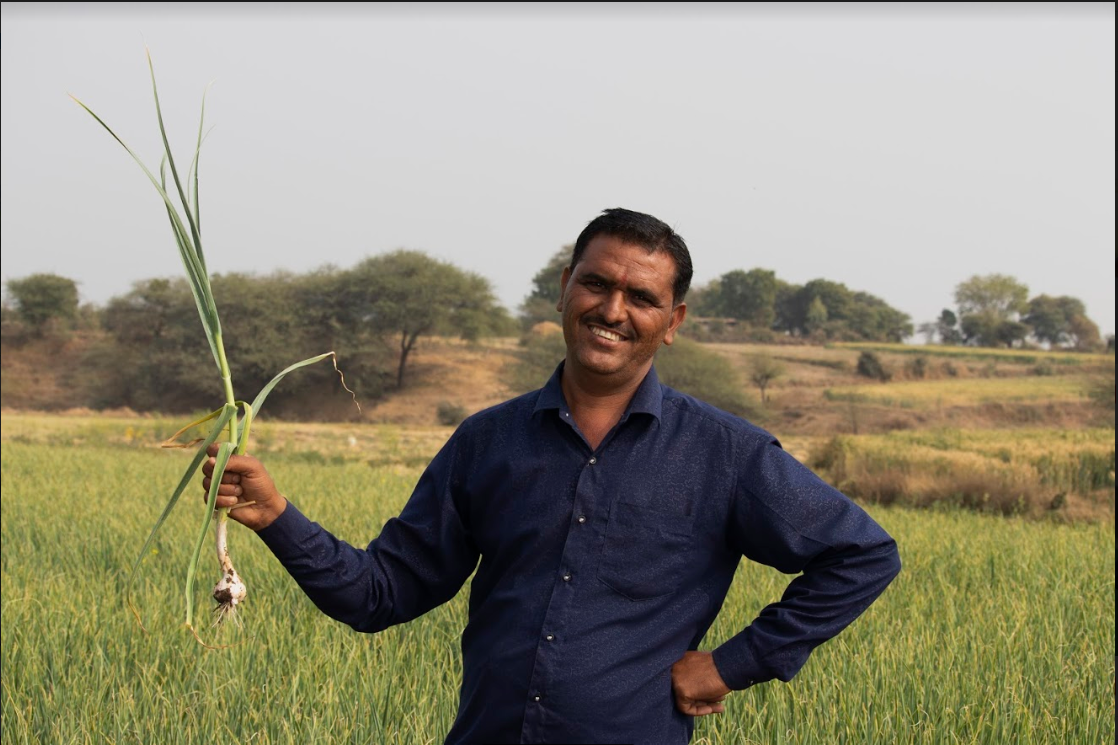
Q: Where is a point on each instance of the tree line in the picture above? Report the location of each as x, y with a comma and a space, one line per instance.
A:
991, 311
760, 306
150, 353
994, 310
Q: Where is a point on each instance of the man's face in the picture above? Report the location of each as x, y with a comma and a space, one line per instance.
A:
618, 309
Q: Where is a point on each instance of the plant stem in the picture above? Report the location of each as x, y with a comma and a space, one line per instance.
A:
227, 382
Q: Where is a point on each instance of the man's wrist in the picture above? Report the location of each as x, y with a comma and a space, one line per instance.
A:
737, 664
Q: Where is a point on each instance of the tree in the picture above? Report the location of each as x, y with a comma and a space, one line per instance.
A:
1062, 320
705, 300
41, 298
749, 296
815, 316
409, 294
929, 330
157, 358
1000, 295
763, 370
541, 301
948, 329
1083, 333
989, 307
833, 309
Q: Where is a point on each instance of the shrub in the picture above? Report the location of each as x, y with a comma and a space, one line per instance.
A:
450, 414
539, 355
917, 367
870, 366
706, 375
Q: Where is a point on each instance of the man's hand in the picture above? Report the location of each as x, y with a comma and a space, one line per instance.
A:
698, 687
246, 489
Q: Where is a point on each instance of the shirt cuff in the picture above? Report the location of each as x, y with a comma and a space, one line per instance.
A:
290, 533
738, 665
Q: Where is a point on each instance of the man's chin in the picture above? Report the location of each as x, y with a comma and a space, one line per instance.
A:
603, 365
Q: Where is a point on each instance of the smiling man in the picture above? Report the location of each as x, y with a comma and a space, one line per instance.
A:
608, 513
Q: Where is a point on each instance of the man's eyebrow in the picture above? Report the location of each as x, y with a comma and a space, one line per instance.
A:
647, 292
595, 277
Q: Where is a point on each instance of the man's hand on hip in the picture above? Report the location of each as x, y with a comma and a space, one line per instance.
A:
698, 687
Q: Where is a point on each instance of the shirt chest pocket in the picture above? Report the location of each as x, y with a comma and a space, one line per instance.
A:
646, 553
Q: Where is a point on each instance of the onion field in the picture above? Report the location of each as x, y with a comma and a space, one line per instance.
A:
998, 630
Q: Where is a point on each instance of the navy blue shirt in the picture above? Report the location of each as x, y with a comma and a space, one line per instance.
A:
600, 567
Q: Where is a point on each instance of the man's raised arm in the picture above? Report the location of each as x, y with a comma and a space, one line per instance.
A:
419, 561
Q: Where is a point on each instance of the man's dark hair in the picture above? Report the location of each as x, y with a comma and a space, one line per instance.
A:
642, 230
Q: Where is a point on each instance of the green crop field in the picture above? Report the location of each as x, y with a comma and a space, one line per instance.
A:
999, 630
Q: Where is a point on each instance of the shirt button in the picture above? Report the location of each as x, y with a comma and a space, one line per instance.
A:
550, 637
536, 698
581, 519
593, 461
566, 577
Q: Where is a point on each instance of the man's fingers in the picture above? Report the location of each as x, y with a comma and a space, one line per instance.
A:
237, 465
702, 708
225, 490
696, 708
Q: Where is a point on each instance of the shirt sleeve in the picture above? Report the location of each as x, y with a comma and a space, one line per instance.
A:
786, 517
419, 560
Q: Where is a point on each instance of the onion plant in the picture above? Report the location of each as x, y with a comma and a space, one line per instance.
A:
231, 422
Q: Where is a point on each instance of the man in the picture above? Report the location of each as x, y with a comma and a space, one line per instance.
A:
609, 513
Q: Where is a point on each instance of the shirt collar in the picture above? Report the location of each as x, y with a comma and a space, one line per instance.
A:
648, 399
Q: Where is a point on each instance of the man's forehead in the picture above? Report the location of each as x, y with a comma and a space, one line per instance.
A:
615, 255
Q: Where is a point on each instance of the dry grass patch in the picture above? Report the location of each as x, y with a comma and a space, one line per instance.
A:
1069, 474
971, 392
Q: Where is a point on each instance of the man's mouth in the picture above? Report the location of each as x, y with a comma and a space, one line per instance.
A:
606, 333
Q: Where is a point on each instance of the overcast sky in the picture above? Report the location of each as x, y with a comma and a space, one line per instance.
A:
896, 149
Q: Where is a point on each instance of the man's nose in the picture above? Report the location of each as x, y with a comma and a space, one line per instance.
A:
613, 307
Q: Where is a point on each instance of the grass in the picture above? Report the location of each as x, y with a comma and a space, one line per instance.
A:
998, 629
926, 394
1063, 474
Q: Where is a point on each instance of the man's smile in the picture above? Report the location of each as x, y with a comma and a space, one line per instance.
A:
605, 333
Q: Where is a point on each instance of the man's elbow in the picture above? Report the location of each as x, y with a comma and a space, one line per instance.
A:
890, 563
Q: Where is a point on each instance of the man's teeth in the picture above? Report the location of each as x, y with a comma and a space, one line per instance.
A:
605, 334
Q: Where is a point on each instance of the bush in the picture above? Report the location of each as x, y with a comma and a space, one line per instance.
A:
539, 355
690, 368
917, 367
870, 366
450, 414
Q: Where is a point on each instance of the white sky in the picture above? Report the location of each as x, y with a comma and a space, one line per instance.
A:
897, 149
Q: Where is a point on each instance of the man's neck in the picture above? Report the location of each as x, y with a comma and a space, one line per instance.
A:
597, 402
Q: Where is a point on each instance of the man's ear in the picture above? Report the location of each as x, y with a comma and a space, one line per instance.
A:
679, 312
563, 280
